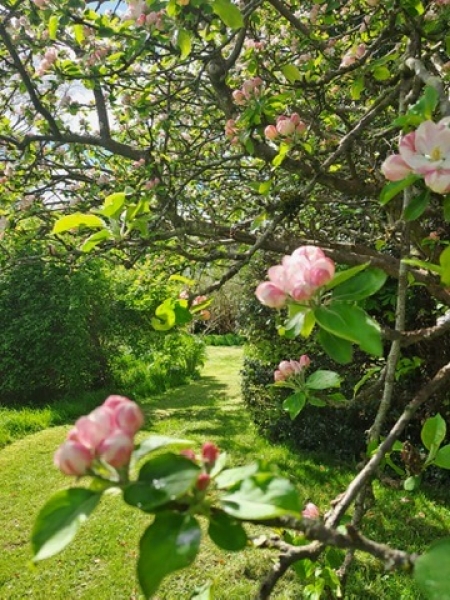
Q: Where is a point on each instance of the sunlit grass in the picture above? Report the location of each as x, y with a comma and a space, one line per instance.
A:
100, 563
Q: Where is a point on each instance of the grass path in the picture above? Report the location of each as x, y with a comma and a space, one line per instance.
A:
100, 563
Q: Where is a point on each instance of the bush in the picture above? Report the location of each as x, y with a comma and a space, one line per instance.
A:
53, 320
228, 339
172, 360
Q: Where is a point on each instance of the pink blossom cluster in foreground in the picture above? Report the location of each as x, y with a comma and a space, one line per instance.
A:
424, 152
298, 277
290, 368
107, 433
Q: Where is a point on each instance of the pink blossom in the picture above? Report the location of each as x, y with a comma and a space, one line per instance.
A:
129, 417
114, 400
239, 98
311, 511
189, 453
425, 152
285, 126
94, 428
304, 361
271, 132
299, 276
271, 295
73, 458
116, 449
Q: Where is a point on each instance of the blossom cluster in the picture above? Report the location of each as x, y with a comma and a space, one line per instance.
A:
50, 56
250, 89
138, 11
352, 55
286, 127
106, 434
291, 368
209, 455
298, 277
424, 152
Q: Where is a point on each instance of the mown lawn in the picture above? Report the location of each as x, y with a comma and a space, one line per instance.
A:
100, 564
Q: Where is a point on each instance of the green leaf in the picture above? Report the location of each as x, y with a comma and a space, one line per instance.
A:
113, 204
356, 88
316, 401
444, 261
53, 23
422, 264
170, 543
412, 483
381, 73
361, 286
95, 239
184, 42
291, 72
338, 349
351, 323
155, 442
229, 13
294, 404
59, 520
431, 571
302, 323
417, 206
442, 458
162, 479
393, 188
77, 220
433, 432
342, 276
226, 532
322, 380
232, 477
264, 187
262, 496
78, 32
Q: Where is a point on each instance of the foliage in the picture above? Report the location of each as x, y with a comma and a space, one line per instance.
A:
54, 320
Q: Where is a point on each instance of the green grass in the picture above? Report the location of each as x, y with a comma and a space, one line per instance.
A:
100, 563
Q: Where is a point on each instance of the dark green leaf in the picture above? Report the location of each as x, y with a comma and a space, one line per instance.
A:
417, 206
431, 571
170, 543
446, 207
294, 404
162, 479
444, 261
316, 401
351, 323
361, 286
226, 532
321, 380
229, 13
338, 349
342, 276
59, 520
262, 496
393, 188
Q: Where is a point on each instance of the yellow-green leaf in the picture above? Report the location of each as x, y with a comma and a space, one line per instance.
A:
77, 220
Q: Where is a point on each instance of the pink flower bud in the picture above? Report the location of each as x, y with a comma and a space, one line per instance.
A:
395, 168
189, 453
129, 417
278, 375
304, 361
270, 295
286, 368
203, 481
271, 132
311, 511
116, 449
73, 458
210, 452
